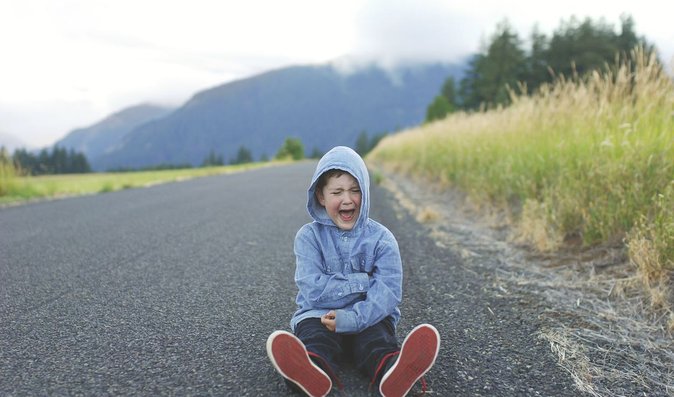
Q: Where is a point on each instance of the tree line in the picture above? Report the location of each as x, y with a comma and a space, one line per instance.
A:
57, 161
575, 48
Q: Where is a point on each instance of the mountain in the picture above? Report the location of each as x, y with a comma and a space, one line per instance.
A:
317, 104
108, 134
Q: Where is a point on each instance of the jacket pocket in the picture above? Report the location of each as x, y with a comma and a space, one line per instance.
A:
362, 263
335, 264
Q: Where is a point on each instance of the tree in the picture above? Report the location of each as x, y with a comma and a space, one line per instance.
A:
444, 103
575, 48
581, 47
499, 68
59, 161
292, 149
468, 87
438, 109
503, 67
213, 159
537, 66
449, 91
316, 153
80, 163
362, 144
627, 40
243, 156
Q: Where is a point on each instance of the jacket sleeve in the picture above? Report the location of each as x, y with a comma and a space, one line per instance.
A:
384, 295
320, 289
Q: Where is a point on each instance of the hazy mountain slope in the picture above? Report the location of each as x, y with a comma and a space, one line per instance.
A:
108, 134
317, 104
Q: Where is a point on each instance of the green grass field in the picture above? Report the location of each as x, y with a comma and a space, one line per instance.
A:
589, 161
15, 188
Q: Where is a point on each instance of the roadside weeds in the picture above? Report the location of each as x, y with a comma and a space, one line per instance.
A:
598, 318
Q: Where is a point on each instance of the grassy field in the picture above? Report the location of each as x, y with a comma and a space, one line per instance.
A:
583, 161
14, 188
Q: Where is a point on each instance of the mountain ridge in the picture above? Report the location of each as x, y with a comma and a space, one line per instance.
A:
108, 133
318, 104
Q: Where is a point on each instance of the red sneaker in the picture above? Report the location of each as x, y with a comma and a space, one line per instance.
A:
417, 355
291, 360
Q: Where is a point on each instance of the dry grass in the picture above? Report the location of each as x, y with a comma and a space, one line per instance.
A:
588, 162
595, 314
583, 173
427, 215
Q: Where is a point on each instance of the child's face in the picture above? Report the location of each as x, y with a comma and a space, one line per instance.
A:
341, 198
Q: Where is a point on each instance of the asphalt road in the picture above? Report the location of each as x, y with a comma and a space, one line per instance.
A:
173, 290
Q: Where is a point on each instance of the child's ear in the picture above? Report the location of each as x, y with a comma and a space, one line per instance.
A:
320, 197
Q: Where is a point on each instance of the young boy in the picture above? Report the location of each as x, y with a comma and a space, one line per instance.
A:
349, 275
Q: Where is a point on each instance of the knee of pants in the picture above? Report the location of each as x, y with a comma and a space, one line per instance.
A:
319, 340
376, 340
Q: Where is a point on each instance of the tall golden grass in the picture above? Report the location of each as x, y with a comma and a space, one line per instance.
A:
588, 159
8, 175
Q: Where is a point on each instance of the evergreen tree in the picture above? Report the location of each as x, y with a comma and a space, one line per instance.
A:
213, 160
80, 163
449, 91
243, 156
501, 67
444, 103
575, 48
58, 161
362, 144
627, 40
468, 88
537, 66
316, 153
44, 163
578, 47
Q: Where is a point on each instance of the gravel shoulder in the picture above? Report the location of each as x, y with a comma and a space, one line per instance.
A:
579, 312
491, 333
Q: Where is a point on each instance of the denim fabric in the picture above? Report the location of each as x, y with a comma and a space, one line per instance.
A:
357, 272
365, 349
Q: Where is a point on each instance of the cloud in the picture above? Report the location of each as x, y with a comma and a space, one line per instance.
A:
89, 58
392, 32
10, 142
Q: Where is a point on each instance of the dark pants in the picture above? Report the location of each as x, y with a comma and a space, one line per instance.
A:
365, 349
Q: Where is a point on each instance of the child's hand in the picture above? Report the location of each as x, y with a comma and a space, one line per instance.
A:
330, 320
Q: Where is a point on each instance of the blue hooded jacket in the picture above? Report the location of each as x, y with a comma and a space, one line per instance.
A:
358, 272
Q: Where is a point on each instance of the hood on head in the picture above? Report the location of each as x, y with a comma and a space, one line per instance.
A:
345, 159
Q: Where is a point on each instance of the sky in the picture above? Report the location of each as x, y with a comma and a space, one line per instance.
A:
67, 64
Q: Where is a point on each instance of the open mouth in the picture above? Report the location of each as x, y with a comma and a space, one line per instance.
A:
347, 215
